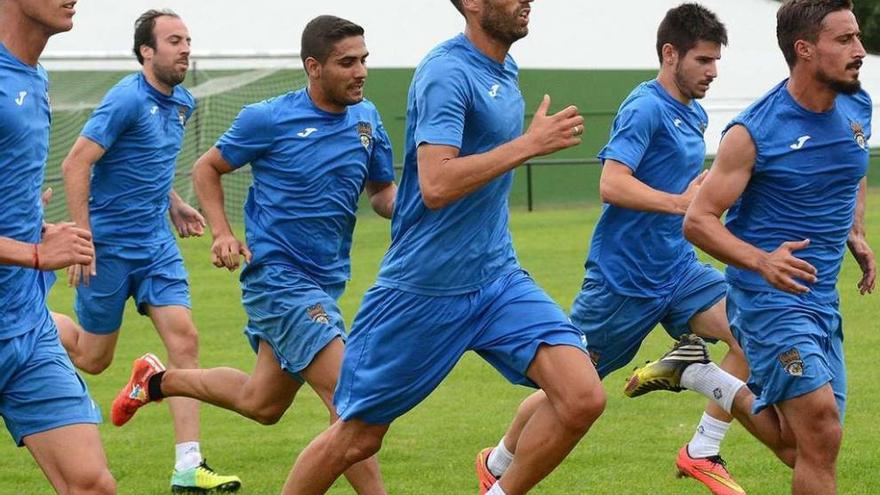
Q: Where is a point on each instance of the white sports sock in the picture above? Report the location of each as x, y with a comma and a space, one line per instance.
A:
499, 459
713, 382
496, 489
708, 436
187, 456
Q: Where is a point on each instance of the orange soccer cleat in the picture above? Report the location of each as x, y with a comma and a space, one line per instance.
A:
484, 476
710, 471
135, 393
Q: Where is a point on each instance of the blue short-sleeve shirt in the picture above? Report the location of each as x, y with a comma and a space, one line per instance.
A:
309, 167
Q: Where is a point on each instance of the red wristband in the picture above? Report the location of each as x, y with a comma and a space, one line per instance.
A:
36, 256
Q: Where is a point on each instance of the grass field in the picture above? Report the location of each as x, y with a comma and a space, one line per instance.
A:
430, 450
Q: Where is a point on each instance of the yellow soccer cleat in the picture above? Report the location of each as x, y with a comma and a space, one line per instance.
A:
203, 479
665, 373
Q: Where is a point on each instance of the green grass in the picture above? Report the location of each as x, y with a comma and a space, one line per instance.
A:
430, 450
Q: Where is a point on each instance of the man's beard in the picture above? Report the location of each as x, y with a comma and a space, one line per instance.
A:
499, 26
845, 87
169, 76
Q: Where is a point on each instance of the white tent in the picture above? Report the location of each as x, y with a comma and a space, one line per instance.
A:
570, 34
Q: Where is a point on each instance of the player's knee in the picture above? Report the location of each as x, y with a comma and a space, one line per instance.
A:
582, 410
100, 482
94, 365
362, 447
823, 436
184, 350
268, 414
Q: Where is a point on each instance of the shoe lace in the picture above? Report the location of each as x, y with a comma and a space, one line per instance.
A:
716, 459
204, 465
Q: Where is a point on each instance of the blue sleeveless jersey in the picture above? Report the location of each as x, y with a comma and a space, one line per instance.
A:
639, 253
458, 97
24, 147
804, 183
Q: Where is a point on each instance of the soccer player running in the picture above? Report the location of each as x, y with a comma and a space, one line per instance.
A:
132, 140
450, 281
790, 172
312, 153
44, 404
641, 271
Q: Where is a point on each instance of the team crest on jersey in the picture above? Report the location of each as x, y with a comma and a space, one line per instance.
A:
365, 133
317, 314
181, 115
858, 134
702, 128
792, 362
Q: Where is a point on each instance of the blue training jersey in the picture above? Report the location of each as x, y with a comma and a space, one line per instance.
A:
804, 183
141, 131
24, 146
309, 167
639, 253
458, 97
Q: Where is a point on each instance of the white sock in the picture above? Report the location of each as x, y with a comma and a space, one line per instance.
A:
713, 382
496, 489
708, 436
499, 459
187, 456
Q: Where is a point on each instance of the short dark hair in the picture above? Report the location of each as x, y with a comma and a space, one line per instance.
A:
143, 30
686, 25
457, 4
802, 20
322, 32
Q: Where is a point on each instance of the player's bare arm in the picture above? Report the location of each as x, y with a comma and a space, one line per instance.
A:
76, 170
858, 243
62, 245
445, 177
619, 187
724, 184
186, 219
226, 250
382, 195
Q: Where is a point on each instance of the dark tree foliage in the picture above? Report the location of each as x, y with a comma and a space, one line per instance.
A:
868, 14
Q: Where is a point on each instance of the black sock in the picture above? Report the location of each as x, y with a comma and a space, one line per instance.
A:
154, 386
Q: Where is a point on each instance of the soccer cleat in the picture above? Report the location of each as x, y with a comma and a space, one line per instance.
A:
203, 479
135, 393
710, 471
665, 373
484, 476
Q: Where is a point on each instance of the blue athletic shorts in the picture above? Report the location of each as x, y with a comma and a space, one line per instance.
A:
615, 325
39, 389
153, 275
291, 312
794, 344
402, 344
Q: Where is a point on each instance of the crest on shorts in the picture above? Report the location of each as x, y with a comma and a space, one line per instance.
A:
181, 115
365, 133
858, 134
317, 314
792, 362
